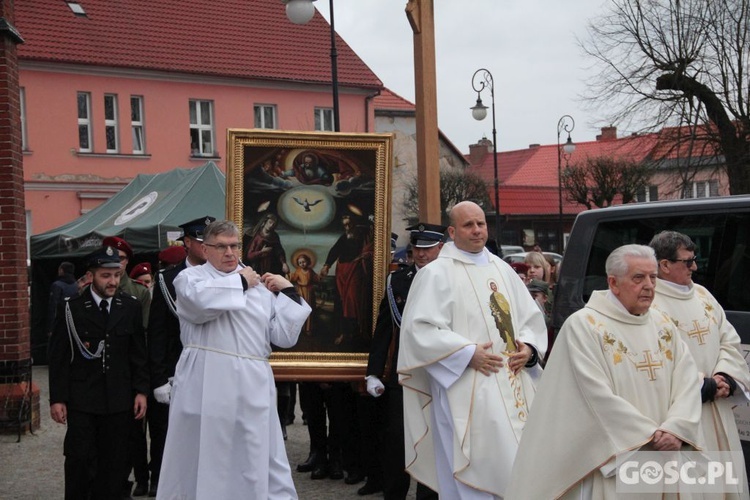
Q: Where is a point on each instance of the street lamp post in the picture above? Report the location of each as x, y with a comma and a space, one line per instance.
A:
479, 112
567, 124
300, 12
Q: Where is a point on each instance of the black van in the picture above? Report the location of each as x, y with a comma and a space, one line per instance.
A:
720, 228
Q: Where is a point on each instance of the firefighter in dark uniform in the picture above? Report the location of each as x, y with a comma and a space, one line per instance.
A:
137, 449
98, 379
164, 346
382, 379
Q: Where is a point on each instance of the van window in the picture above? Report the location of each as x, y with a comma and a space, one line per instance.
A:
722, 246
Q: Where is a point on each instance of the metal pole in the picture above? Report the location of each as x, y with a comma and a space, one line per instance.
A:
562, 124
486, 81
334, 74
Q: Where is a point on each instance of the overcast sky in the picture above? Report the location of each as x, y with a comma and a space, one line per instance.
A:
529, 46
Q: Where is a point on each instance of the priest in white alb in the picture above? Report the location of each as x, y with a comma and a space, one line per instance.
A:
224, 439
471, 341
712, 340
620, 379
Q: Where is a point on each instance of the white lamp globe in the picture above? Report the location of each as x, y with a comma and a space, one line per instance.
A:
300, 11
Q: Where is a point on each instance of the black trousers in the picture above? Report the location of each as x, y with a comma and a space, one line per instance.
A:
158, 419
318, 400
96, 455
395, 479
138, 450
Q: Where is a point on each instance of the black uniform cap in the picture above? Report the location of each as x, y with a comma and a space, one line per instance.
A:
195, 228
103, 257
426, 235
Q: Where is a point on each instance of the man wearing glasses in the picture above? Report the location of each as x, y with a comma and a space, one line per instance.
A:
713, 341
224, 437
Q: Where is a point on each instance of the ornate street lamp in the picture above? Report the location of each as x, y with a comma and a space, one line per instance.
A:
567, 124
479, 112
300, 12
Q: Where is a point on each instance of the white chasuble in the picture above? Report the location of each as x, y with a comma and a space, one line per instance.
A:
715, 346
454, 303
224, 438
612, 380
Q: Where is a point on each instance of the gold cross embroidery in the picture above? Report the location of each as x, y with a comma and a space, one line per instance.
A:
650, 365
698, 332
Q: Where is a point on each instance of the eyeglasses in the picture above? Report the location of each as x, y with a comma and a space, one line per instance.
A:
688, 262
223, 248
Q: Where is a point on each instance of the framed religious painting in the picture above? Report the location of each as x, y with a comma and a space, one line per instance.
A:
315, 207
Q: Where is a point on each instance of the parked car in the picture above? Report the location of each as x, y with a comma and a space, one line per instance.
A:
511, 249
720, 228
520, 257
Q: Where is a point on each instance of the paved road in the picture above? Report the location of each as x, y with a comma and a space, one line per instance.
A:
33, 468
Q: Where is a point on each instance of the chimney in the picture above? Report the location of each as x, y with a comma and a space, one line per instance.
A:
608, 134
478, 151
535, 145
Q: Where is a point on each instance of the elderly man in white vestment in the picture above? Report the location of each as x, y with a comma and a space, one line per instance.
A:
471, 342
713, 342
620, 379
224, 439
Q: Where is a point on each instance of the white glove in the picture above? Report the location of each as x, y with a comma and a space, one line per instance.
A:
163, 393
374, 386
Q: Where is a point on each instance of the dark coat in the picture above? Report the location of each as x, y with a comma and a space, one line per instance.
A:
101, 385
383, 358
164, 345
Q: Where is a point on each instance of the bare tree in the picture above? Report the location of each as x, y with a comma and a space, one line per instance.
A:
679, 63
455, 186
597, 181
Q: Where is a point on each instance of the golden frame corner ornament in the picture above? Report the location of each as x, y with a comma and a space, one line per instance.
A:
305, 201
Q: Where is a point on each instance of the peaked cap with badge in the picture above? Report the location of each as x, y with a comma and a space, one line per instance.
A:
425, 235
195, 228
105, 256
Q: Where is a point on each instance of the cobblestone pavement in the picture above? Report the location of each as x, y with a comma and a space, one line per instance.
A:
33, 468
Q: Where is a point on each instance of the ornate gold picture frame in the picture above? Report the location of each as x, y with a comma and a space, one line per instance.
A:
316, 208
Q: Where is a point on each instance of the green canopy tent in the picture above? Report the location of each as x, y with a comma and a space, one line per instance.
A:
147, 213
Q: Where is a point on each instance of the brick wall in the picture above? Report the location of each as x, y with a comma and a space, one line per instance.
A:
16, 390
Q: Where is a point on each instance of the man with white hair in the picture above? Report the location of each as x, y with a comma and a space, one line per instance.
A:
619, 379
224, 438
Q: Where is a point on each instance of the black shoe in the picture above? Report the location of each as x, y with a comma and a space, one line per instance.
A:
354, 477
320, 472
335, 470
369, 489
141, 489
312, 460
152, 488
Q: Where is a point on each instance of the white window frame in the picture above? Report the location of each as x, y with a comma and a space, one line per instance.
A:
324, 116
84, 121
198, 126
706, 185
22, 106
647, 193
111, 124
259, 114
136, 125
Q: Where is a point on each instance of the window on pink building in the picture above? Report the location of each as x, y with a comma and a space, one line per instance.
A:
324, 119
84, 122
136, 124
201, 128
265, 115
110, 123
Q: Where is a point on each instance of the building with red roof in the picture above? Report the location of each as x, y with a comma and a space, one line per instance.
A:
396, 115
529, 188
113, 89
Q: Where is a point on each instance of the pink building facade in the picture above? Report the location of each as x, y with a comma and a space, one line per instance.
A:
101, 104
